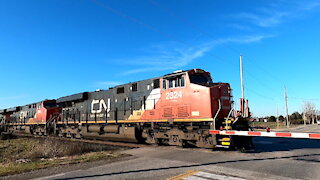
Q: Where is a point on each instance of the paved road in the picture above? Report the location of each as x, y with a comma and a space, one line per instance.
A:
307, 129
276, 158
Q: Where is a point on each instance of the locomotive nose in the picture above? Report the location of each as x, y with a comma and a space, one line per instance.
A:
221, 99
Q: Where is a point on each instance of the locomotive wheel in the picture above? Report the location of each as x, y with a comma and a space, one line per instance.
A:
149, 137
164, 142
78, 135
176, 140
205, 141
152, 140
59, 132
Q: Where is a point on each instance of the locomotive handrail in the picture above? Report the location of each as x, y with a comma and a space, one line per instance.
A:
236, 119
229, 116
230, 112
215, 116
52, 118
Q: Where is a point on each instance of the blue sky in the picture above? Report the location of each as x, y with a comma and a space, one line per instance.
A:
50, 49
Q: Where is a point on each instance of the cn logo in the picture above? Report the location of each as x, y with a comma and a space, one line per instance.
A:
98, 105
23, 115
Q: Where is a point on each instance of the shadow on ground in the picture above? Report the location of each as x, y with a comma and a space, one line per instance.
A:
269, 144
298, 157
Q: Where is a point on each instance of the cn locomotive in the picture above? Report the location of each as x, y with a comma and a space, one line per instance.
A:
175, 109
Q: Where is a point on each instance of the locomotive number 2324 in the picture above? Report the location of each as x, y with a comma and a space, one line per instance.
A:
173, 95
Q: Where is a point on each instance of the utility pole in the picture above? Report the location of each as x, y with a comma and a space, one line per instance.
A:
242, 88
277, 116
312, 116
286, 102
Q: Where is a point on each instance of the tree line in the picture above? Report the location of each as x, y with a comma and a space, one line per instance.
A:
309, 115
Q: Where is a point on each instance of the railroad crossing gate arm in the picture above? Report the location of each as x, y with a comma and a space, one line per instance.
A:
267, 134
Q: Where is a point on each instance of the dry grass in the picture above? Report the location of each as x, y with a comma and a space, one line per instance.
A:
21, 155
272, 125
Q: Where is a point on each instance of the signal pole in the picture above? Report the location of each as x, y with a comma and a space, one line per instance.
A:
286, 102
242, 104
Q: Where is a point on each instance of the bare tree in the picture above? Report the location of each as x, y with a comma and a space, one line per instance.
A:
309, 112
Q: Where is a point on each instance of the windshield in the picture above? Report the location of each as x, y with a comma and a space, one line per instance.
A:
50, 104
200, 79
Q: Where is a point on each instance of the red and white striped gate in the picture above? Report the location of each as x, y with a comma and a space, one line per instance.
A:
267, 134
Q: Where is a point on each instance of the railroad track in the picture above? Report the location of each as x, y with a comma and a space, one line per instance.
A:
91, 141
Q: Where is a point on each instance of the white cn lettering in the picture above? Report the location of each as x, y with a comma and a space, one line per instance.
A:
102, 105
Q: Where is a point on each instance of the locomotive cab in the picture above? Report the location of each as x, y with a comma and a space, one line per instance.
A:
46, 111
181, 89
218, 94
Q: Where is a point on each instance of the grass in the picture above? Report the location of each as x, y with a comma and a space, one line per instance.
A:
14, 168
271, 125
22, 155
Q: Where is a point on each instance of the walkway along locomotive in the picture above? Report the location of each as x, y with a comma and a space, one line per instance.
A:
176, 109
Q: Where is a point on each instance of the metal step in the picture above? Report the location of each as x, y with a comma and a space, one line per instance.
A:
224, 139
226, 127
222, 146
225, 143
229, 122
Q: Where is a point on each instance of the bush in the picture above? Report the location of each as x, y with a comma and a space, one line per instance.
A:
272, 119
296, 121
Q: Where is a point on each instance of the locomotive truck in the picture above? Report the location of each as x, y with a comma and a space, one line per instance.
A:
175, 109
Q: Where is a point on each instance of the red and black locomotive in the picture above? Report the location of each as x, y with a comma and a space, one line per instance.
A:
174, 109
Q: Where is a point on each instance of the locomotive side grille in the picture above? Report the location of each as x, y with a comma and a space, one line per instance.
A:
167, 112
183, 111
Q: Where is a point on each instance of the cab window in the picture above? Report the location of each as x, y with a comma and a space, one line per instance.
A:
175, 81
180, 81
156, 83
171, 83
164, 84
50, 104
200, 79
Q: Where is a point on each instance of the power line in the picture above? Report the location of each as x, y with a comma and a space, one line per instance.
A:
172, 13
169, 36
194, 27
262, 68
303, 99
261, 95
